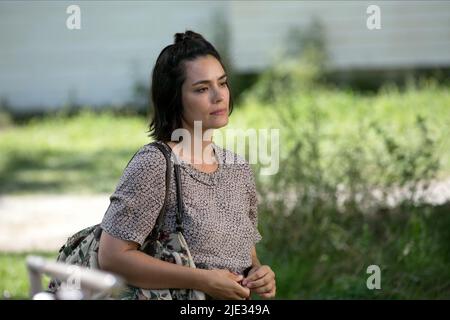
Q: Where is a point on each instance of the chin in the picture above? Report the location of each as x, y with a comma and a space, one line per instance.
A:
216, 123
219, 123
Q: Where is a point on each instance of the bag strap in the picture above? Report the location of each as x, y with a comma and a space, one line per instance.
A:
164, 148
180, 211
154, 234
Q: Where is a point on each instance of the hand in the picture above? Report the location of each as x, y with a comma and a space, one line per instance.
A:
223, 284
261, 280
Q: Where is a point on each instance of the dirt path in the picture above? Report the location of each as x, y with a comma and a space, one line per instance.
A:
44, 222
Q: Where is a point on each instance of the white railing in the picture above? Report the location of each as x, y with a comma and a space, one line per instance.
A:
78, 283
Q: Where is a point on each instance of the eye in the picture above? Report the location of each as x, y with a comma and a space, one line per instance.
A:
201, 90
224, 84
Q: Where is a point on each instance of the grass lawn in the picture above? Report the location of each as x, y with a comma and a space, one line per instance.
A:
82, 154
14, 280
88, 152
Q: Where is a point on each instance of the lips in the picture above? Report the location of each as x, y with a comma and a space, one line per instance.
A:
219, 112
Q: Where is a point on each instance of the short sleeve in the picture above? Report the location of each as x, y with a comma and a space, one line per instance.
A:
253, 212
138, 197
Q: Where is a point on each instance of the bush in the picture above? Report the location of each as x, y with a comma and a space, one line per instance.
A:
349, 193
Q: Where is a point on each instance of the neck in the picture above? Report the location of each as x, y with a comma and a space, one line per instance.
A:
198, 149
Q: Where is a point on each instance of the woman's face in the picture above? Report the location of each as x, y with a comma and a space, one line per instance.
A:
204, 92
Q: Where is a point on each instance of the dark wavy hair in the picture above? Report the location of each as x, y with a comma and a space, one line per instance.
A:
167, 78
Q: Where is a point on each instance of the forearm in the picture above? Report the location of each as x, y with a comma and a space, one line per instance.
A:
255, 260
144, 271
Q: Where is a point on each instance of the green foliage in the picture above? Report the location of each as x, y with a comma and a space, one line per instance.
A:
5, 116
84, 153
325, 216
298, 68
331, 210
14, 282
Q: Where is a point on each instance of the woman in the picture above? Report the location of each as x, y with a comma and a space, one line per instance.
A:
189, 83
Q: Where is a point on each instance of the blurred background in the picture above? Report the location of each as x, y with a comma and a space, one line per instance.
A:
364, 119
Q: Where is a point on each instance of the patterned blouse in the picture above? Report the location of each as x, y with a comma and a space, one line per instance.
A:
220, 219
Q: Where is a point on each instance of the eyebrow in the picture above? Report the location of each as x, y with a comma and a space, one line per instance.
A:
207, 81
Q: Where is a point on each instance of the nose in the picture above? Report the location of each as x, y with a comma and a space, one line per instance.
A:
218, 96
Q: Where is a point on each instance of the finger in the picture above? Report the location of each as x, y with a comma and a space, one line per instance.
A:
261, 272
239, 278
236, 277
242, 291
251, 271
260, 282
245, 292
264, 289
267, 278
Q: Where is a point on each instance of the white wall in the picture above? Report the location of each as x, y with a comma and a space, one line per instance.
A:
413, 33
42, 63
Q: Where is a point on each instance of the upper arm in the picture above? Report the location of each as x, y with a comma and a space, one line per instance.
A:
110, 247
138, 197
253, 202
255, 260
